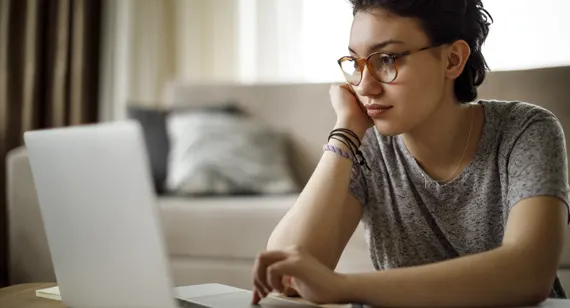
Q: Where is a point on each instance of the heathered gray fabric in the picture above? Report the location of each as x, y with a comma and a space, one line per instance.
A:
521, 154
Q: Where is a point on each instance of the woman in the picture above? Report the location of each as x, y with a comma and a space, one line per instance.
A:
464, 204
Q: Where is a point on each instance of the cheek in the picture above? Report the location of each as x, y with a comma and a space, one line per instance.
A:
414, 100
416, 93
419, 87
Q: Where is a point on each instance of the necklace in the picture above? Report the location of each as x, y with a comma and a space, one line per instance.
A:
466, 146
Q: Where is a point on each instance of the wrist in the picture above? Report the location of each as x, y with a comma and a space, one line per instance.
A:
354, 128
347, 289
352, 139
341, 146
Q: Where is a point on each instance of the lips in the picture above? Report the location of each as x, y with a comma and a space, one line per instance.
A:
377, 107
376, 110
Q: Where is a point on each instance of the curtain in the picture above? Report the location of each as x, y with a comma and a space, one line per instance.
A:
49, 51
148, 43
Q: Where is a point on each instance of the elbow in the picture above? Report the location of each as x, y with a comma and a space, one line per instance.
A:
534, 297
542, 288
537, 296
536, 288
531, 276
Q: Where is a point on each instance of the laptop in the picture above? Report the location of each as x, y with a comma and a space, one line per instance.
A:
102, 223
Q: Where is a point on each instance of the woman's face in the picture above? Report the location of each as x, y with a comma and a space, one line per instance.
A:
421, 84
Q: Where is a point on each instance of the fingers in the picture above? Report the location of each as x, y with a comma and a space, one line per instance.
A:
285, 267
275, 279
287, 281
273, 271
265, 260
256, 297
348, 87
262, 290
290, 292
259, 292
262, 262
276, 272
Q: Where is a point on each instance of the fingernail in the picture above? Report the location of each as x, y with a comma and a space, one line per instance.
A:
255, 298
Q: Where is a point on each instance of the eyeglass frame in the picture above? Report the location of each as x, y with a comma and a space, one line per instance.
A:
363, 62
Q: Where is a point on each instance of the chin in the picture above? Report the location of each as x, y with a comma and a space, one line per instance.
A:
388, 129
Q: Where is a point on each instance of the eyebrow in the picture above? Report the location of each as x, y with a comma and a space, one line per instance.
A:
380, 45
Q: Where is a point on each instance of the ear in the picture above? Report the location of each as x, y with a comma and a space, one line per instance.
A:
458, 54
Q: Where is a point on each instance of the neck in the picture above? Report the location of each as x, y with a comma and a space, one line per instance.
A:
441, 141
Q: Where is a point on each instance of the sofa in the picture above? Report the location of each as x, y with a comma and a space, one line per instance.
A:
215, 239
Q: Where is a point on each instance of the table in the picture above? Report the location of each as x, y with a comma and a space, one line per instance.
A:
24, 296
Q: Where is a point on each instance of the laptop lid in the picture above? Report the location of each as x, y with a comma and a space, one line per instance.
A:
102, 224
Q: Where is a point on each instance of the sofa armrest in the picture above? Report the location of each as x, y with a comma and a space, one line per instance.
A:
29, 256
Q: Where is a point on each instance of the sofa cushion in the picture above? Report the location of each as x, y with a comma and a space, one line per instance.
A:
236, 229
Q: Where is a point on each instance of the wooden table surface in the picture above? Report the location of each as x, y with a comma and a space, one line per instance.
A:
24, 296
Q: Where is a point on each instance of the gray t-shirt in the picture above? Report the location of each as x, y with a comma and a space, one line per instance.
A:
410, 219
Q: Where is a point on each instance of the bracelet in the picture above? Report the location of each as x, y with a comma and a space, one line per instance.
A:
346, 140
337, 150
341, 140
347, 131
344, 135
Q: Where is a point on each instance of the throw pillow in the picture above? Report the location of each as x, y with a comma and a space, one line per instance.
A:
217, 153
153, 122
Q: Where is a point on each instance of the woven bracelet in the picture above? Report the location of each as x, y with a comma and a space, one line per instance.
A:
339, 151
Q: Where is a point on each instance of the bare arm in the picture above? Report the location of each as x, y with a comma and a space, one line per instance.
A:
325, 215
520, 272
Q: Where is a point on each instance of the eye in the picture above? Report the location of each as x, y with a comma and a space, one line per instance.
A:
387, 59
382, 60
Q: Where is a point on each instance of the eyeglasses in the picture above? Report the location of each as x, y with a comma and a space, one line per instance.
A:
381, 65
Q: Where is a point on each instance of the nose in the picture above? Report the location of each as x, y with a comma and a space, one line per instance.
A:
369, 86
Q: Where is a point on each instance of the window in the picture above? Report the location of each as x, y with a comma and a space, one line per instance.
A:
525, 34
528, 34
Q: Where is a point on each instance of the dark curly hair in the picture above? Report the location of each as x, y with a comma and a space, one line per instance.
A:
446, 21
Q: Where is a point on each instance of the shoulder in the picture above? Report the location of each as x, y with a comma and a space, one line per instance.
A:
516, 112
513, 120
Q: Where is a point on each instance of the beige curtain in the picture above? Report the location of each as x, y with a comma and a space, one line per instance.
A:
149, 43
49, 51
